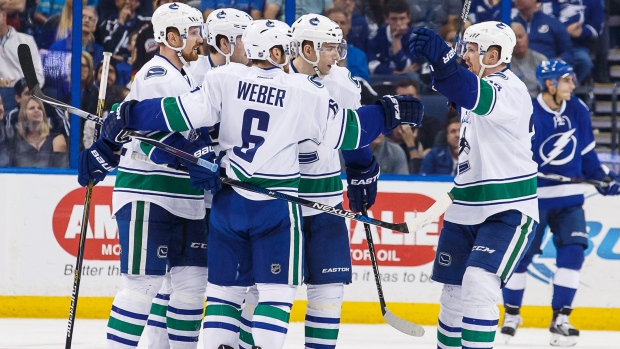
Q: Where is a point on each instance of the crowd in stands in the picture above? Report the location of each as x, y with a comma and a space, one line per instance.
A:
35, 135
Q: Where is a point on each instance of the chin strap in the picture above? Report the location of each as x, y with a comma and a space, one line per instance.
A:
270, 60
232, 50
484, 66
315, 64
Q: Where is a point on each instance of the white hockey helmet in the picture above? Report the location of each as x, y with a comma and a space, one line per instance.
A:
262, 35
319, 30
491, 33
229, 22
176, 15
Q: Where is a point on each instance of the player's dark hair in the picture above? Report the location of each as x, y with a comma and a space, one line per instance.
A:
408, 82
218, 38
496, 48
279, 47
396, 6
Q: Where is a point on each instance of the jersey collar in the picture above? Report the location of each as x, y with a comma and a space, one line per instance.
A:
546, 108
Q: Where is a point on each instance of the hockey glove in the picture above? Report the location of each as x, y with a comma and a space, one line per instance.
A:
614, 186
113, 128
200, 177
95, 162
401, 109
175, 140
362, 186
425, 42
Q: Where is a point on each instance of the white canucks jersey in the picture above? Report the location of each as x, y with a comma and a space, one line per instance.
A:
199, 68
320, 165
263, 115
496, 172
138, 180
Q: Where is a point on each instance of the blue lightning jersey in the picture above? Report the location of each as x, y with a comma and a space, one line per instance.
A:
564, 145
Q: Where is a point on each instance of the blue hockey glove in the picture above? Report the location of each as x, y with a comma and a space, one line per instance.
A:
425, 42
175, 140
614, 186
362, 186
95, 162
113, 128
401, 109
200, 177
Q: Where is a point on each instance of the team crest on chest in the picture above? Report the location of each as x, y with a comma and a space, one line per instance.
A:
155, 71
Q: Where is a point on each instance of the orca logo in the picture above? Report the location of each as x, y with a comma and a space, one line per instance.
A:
221, 15
155, 71
270, 24
444, 259
500, 25
314, 21
162, 251
174, 6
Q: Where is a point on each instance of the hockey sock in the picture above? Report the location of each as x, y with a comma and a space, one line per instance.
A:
566, 279
323, 315
514, 289
156, 331
480, 312
185, 307
450, 318
222, 314
272, 314
245, 333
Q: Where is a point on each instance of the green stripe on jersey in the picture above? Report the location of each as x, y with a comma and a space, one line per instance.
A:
223, 310
157, 183
267, 183
486, 98
146, 148
322, 333
272, 312
525, 228
137, 238
351, 137
320, 185
174, 115
478, 336
495, 191
296, 246
449, 341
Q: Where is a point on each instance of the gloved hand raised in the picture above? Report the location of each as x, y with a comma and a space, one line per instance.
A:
95, 162
430, 45
401, 109
614, 186
362, 186
113, 128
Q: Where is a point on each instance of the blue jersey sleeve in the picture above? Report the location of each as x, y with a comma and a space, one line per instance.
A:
468, 91
590, 164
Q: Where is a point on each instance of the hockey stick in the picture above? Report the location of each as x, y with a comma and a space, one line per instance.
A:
432, 214
402, 325
460, 31
25, 60
560, 178
77, 277
400, 227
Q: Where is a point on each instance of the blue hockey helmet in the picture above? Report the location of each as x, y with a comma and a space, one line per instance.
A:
552, 70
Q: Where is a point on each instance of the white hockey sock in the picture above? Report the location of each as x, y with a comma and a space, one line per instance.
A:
323, 315
130, 310
221, 322
480, 313
156, 331
245, 333
450, 323
272, 314
185, 308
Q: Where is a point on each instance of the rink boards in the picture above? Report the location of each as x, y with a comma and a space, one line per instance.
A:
41, 217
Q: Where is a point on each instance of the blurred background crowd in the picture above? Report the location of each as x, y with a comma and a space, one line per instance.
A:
585, 33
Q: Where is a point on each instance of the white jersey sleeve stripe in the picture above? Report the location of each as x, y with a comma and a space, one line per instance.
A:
589, 148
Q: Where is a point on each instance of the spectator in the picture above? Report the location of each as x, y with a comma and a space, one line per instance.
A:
33, 146
356, 60
357, 34
524, 60
434, 14
546, 33
90, 95
58, 26
21, 92
275, 9
385, 51
5, 160
390, 157
107, 8
584, 23
444, 160
89, 26
46, 9
20, 14
485, 10
111, 75
10, 39
146, 47
252, 7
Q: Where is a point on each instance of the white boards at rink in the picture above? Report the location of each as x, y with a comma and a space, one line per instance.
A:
40, 220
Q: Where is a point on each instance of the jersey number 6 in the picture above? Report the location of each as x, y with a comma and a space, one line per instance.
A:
251, 142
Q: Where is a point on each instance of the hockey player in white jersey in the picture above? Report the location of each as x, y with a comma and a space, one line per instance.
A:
264, 114
223, 35
161, 217
318, 46
489, 225
564, 145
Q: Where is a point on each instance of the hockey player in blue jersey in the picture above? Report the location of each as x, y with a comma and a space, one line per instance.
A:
564, 145
488, 226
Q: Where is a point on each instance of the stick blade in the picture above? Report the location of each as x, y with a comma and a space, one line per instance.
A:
25, 61
404, 326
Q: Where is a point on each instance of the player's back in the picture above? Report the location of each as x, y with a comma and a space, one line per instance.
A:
265, 113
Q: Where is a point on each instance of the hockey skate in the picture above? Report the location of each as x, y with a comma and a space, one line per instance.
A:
563, 334
512, 320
